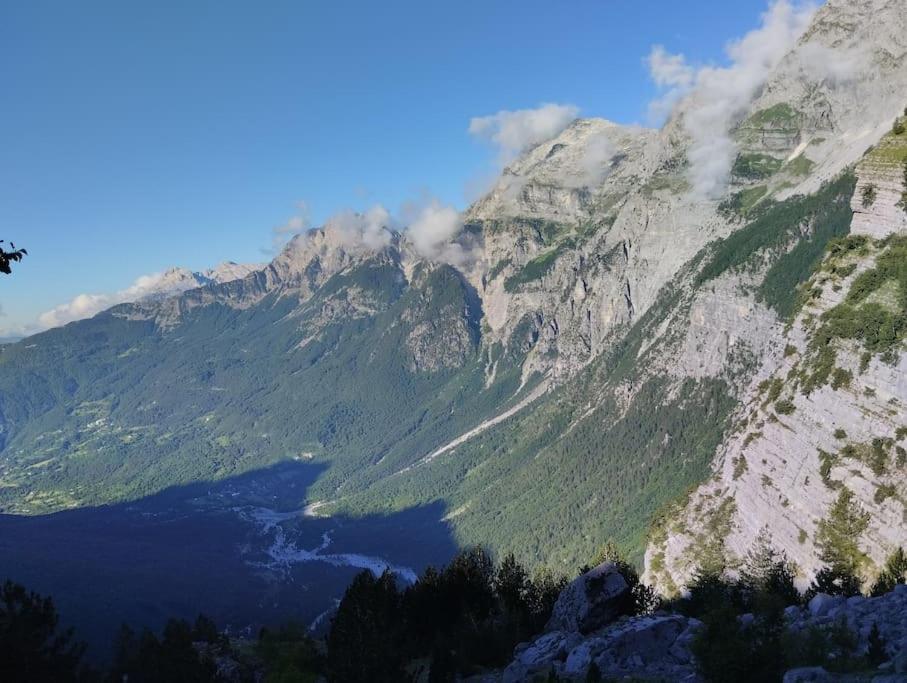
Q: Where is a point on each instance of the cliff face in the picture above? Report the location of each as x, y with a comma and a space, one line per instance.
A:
824, 417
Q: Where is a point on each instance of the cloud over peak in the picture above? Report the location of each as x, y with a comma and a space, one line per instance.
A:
715, 97
368, 230
433, 233
296, 225
513, 132
82, 306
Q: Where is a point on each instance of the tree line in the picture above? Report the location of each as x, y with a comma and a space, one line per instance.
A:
455, 621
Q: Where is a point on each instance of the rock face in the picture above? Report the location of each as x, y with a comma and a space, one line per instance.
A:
799, 443
780, 469
591, 600
879, 203
656, 647
587, 627
652, 648
888, 613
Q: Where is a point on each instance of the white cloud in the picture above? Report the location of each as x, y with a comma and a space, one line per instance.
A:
594, 165
673, 75
513, 132
436, 234
369, 230
669, 71
296, 225
87, 305
836, 66
715, 97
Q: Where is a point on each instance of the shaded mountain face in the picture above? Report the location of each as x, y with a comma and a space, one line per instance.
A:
599, 360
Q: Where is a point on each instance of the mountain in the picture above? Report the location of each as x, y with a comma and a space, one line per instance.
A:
626, 354
178, 280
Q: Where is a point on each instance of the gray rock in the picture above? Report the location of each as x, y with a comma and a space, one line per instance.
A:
900, 662
548, 648
822, 605
810, 674
591, 601
581, 656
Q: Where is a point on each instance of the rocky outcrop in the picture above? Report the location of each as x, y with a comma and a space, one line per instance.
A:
888, 613
651, 648
657, 647
880, 202
591, 600
859, 615
588, 625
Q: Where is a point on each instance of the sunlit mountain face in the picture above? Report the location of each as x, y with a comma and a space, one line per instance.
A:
684, 343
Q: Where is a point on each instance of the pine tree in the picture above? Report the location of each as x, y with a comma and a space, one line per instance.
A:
364, 644
838, 535
768, 572
894, 573
32, 648
833, 581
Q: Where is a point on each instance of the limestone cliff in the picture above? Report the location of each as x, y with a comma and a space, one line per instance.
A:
825, 419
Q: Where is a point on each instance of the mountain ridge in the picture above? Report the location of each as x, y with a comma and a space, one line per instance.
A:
617, 318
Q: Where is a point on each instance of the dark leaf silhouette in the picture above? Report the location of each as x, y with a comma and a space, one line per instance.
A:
7, 258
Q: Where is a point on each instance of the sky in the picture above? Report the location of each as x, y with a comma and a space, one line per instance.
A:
139, 136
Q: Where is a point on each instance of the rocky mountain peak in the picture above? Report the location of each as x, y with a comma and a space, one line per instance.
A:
230, 270
560, 179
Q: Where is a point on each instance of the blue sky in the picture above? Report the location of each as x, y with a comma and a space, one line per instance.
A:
137, 136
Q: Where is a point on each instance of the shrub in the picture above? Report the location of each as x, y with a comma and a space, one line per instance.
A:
894, 573
869, 195
826, 462
883, 493
785, 407
841, 378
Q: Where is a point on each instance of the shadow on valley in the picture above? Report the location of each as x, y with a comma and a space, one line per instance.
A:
241, 550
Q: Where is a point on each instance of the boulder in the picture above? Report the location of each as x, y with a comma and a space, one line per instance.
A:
591, 601
544, 655
642, 640
650, 647
821, 605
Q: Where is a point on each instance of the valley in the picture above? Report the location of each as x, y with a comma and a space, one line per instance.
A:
683, 342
